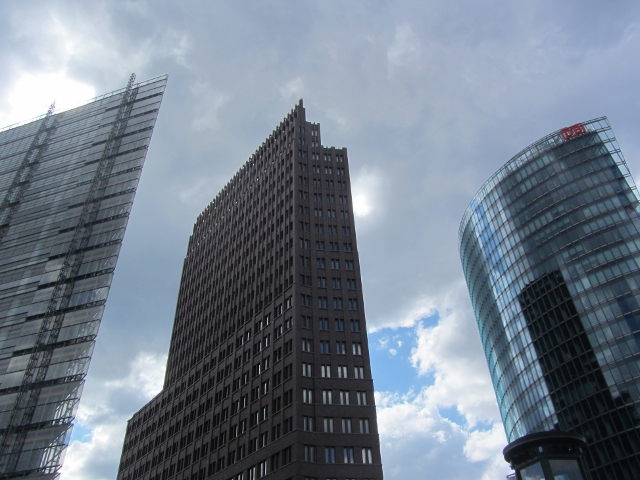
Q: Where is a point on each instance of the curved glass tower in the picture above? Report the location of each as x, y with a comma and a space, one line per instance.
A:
550, 249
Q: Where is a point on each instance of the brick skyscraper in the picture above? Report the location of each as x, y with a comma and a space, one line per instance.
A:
268, 371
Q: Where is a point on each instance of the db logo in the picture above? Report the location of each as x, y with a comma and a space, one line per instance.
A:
573, 131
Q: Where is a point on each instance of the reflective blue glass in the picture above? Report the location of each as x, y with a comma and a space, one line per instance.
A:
550, 253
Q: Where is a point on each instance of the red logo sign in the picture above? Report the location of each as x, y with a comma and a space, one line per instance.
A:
573, 131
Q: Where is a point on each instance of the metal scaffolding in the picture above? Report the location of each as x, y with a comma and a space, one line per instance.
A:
23, 419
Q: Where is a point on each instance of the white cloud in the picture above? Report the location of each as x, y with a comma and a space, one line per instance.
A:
83, 457
405, 48
416, 439
197, 193
146, 375
293, 89
366, 186
31, 94
451, 350
206, 115
91, 456
416, 431
391, 344
482, 445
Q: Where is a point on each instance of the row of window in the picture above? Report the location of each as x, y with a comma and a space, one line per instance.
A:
332, 246
327, 156
329, 423
321, 228
329, 197
331, 213
325, 371
323, 282
343, 397
328, 170
337, 303
323, 324
345, 454
318, 183
321, 262
325, 347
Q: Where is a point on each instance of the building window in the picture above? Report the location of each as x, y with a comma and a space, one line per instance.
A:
336, 283
341, 348
367, 456
310, 453
344, 397
323, 324
364, 425
353, 304
325, 346
307, 423
327, 397
337, 303
356, 348
335, 264
306, 345
339, 325
307, 395
342, 371
358, 372
351, 283
349, 456
322, 302
327, 424
307, 370
355, 325
346, 425
307, 321
330, 454
319, 262
325, 371
305, 300
361, 397
322, 282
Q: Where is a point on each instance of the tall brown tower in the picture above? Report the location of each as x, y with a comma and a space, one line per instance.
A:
268, 372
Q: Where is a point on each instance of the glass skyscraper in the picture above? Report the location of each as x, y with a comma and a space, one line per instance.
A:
550, 249
67, 183
268, 373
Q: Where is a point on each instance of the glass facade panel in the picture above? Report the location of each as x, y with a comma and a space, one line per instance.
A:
549, 249
64, 202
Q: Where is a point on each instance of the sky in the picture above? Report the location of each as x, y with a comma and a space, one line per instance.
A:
430, 98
